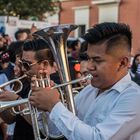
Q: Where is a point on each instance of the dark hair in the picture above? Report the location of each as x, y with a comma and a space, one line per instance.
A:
35, 45
41, 49
15, 48
110, 32
71, 43
134, 65
17, 33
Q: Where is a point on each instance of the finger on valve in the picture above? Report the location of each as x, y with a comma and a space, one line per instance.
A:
46, 78
41, 79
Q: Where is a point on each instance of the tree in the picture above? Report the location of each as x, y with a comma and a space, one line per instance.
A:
26, 8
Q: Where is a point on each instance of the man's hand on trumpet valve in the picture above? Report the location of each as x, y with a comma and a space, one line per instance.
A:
8, 96
44, 98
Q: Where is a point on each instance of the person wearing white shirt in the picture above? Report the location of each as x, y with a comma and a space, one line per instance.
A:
108, 109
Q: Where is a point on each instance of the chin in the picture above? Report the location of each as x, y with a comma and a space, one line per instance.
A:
96, 85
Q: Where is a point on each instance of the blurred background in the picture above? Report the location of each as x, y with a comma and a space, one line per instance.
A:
15, 15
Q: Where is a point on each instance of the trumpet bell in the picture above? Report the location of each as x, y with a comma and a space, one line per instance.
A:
50, 31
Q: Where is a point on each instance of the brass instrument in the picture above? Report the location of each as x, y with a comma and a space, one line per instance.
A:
56, 38
8, 104
17, 80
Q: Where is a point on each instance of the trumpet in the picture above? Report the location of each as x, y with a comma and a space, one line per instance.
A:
17, 80
8, 104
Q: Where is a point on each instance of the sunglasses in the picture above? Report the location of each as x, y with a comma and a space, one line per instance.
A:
27, 65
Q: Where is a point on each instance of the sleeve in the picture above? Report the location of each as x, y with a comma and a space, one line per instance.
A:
4, 79
119, 124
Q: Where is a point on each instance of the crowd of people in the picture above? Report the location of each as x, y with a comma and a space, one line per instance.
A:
106, 106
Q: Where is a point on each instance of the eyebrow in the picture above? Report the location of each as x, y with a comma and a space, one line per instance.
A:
26, 61
94, 57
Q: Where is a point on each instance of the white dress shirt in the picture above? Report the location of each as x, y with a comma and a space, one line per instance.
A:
113, 115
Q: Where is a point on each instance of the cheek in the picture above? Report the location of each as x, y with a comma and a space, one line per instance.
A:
36, 70
33, 71
107, 71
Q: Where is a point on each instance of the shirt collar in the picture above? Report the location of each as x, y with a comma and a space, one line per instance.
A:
122, 84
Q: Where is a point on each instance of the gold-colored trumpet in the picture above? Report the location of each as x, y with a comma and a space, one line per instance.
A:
17, 80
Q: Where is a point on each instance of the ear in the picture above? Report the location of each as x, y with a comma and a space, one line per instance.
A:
124, 63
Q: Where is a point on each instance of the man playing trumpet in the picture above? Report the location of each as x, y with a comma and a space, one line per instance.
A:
36, 58
108, 108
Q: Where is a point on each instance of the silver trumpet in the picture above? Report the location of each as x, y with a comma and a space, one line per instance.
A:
8, 104
17, 80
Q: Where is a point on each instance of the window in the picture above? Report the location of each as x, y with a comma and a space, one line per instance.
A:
108, 10
81, 18
81, 30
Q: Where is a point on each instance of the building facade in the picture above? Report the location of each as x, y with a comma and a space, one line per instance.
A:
86, 13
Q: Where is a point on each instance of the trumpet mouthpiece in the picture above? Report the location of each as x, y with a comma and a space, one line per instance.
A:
89, 76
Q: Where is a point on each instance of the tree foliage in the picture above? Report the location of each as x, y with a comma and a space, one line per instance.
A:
26, 8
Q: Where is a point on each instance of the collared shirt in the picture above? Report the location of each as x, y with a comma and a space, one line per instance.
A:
113, 115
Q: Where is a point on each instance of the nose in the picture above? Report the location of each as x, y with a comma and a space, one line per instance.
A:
91, 66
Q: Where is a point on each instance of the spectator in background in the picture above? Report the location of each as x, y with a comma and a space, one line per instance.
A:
6, 65
8, 59
135, 72
22, 35
3, 45
7, 39
72, 61
84, 63
4, 61
15, 49
74, 47
6, 74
